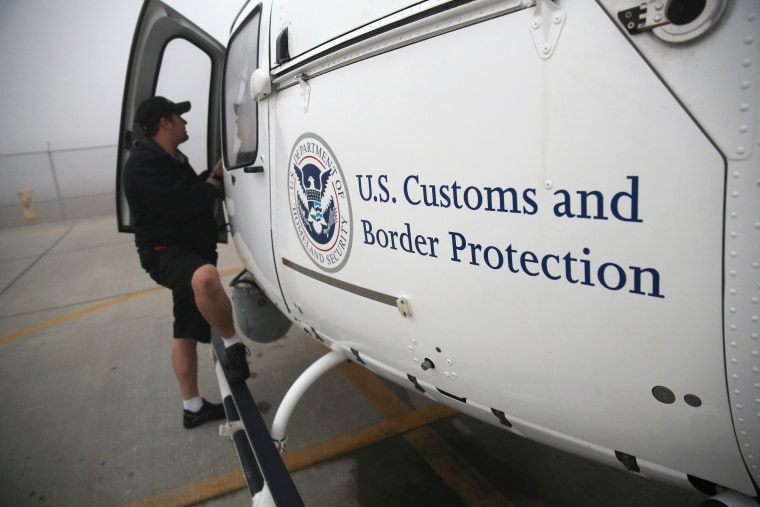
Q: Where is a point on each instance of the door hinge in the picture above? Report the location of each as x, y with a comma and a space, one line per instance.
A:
546, 26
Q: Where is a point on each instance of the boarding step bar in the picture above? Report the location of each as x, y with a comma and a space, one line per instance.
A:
268, 480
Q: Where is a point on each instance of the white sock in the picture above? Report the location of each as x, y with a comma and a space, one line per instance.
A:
193, 404
232, 340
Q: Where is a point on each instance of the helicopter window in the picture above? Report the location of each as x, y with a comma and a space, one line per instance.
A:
240, 112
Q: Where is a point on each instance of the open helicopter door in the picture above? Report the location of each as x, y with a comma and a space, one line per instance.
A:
172, 57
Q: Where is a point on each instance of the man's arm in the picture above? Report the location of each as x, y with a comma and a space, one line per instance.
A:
215, 178
176, 201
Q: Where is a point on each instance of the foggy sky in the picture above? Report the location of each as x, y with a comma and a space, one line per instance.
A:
64, 62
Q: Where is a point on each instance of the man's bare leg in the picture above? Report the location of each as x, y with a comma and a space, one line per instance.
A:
197, 410
185, 364
215, 306
212, 301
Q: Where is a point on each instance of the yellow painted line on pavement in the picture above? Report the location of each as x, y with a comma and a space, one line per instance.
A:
401, 421
84, 311
455, 471
308, 456
298, 459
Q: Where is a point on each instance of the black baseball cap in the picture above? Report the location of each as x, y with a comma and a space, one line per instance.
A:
150, 111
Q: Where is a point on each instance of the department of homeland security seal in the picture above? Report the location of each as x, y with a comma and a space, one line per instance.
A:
319, 203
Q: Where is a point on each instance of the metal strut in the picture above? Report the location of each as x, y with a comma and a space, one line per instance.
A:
297, 390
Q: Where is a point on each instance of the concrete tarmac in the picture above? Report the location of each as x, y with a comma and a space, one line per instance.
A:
90, 411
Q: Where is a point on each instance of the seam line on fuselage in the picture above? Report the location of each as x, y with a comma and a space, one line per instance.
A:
339, 284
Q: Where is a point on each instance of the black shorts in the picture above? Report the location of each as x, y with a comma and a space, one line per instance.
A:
173, 267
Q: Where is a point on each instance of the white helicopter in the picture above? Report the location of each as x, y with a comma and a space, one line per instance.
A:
544, 214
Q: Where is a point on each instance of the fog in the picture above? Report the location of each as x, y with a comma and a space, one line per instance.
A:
63, 69
64, 64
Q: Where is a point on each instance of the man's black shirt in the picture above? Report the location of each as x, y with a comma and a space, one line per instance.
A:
170, 204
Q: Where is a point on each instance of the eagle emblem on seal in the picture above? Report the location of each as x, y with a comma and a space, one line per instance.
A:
317, 208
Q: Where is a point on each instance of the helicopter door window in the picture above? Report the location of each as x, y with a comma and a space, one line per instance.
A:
240, 112
185, 74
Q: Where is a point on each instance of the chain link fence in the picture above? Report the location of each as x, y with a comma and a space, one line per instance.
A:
55, 184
